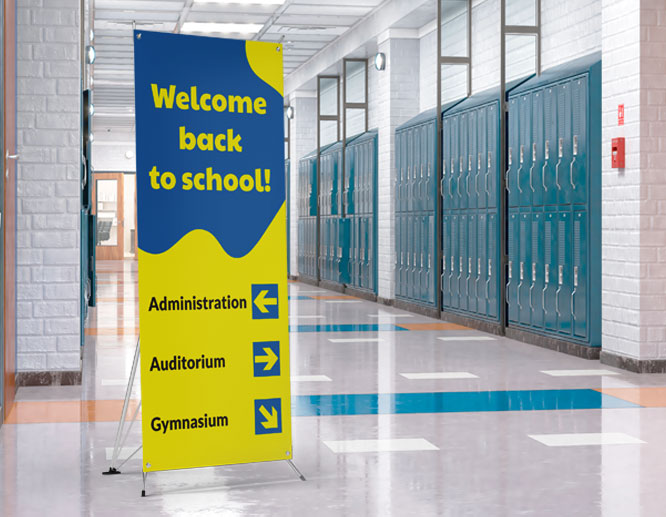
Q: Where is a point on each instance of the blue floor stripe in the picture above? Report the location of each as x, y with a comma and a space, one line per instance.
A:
300, 297
361, 327
453, 402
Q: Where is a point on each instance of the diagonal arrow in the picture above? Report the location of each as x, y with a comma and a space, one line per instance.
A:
261, 301
270, 359
271, 418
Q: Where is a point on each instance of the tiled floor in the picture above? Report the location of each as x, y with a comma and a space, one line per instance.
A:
394, 414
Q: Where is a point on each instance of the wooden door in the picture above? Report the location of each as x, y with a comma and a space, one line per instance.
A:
8, 223
108, 193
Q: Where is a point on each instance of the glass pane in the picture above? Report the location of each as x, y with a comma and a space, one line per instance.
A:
454, 28
286, 124
520, 56
329, 96
329, 132
107, 212
355, 121
454, 82
520, 12
355, 88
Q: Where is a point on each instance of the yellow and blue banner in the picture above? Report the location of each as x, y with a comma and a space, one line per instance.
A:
212, 251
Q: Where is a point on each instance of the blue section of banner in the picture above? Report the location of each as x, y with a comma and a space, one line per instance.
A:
213, 66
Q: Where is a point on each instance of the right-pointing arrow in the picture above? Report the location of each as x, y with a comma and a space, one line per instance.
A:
270, 359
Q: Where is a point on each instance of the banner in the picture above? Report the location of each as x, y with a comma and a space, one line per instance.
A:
212, 251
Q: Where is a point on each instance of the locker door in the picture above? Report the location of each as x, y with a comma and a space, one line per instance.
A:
550, 271
513, 277
421, 260
537, 149
463, 184
371, 253
313, 187
365, 281
430, 174
481, 158
430, 259
408, 170
492, 163
423, 166
462, 261
454, 169
472, 169
579, 296
398, 255
358, 231
564, 142
418, 247
524, 269
564, 270
481, 264
445, 282
367, 174
493, 264
550, 147
454, 260
446, 163
536, 271
525, 151
471, 262
338, 245
513, 154
578, 170
398, 171
409, 281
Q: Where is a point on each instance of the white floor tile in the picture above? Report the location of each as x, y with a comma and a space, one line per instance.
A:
124, 453
438, 375
467, 338
356, 340
387, 445
310, 378
577, 439
343, 301
577, 373
308, 317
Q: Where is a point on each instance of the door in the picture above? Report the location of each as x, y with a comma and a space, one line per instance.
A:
108, 194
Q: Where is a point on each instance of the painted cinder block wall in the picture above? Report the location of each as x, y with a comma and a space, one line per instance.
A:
48, 191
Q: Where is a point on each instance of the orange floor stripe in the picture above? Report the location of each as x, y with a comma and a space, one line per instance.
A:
336, 297
120, 299
646, 397
113, 332
67, 411
432, 326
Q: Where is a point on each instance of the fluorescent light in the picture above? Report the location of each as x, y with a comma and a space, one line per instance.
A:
241, 2
222, 28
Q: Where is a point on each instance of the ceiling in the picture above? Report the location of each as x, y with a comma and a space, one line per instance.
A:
303, 26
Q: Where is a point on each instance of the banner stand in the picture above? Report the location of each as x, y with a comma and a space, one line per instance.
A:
121, 437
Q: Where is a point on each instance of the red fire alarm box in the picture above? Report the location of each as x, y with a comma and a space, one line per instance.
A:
617, 153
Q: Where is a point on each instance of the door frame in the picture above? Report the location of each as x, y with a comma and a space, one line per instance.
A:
106, 252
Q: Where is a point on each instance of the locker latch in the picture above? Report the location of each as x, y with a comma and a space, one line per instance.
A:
561, 148
534, 272
453, 264
460, 267
510, 156
534, 152
547, 274
522, 271
547, 150
510, 269
560, 275
489, 160
443, 263
490, 268
575, 276
469, 163
575, 145
522, 153
478, 267
469, 266
461, 163
478, 162
421, 259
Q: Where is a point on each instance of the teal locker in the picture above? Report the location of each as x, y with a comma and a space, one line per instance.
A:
482, 164
564, 272
481, 286
550, 147
492, 163
524, 267
471, 261
416, 256
409, 191
431, 172
463, 182
446, 164
493, 277
536, 270
456, 161
455, 257
513, 276
402, 151
462, 264
525, 150
564, 142
577, 168
537, 167
513, 154
445, 283
579, 297
431, 259
472, 166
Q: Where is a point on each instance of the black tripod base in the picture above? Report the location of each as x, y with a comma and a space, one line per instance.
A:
111, 472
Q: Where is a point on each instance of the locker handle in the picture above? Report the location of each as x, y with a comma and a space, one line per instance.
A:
520, 284
573, 313
520, 191
557, 301
573, 185
543, 299
506, 181
557, 174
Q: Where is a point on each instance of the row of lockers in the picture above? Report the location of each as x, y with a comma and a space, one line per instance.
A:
553, 169
354, 195
307, 246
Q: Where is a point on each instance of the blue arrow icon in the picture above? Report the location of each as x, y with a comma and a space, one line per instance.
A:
266, 358
265, 301
267, 416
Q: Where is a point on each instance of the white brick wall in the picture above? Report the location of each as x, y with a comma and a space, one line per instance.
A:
48, 198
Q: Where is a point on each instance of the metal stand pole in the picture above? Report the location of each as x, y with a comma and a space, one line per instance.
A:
120, 440
298, 472
144, 475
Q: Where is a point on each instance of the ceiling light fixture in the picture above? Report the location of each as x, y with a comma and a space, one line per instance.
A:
380, 61
221, 28
290, 112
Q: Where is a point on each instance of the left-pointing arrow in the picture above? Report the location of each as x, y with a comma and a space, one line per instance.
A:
261, 301
271, 418
270, 359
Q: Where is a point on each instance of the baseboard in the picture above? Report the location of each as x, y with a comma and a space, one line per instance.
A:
308, 280
551, 343
360, 293
385, 301
292, 277
332, 286
632, 364
423, 310
491, 327
48, 378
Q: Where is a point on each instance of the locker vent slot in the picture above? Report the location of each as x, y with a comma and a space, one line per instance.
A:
577, 256
560, 243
